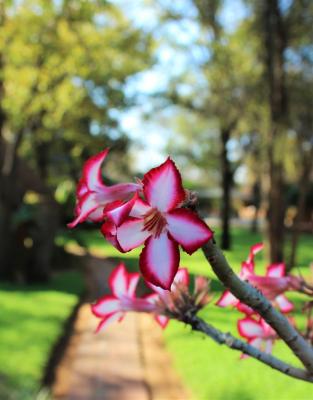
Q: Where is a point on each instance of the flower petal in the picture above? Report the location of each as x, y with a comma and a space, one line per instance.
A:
131, 234
182, 276
119, 191
108, 320
284, 304
162, 186
118, 281
256, 342
242, 307
254, 250
267, 329
152, 298
247, 269
87, 205
162, 320
201, 283
249, 328
133, 279
140, 208
268, 346
187, 229
227, 299
277, 270
105, 306
96, 215
92, 170
119, 211
159, 261
108, 229
159, 292
81, 188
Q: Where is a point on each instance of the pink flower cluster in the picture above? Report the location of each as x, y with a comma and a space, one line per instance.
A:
273, 286
148, 213
123, 299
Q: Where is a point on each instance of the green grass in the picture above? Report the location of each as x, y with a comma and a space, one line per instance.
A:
31, 320
216, 373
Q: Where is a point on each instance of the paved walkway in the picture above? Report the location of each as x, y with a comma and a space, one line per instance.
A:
127, 361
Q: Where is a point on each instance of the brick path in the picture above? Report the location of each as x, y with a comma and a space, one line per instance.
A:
127, 361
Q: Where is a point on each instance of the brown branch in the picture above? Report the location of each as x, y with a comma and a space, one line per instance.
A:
254, 298
230, 341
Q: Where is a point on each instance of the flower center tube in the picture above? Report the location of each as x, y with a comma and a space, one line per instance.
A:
138, 305
154, 222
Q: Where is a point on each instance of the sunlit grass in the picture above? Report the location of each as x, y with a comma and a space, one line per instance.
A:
213, 372
31, 320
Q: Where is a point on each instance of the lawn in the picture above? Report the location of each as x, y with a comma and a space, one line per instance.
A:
209, 371
31, 320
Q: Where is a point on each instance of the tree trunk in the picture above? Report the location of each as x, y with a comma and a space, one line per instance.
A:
256, 203
276, 214
44, 230
303, 191
275, 44
227, 183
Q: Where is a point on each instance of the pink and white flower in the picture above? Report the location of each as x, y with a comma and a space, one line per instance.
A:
258, 333
272, 285
201, 291
165, 298
92, 195
123, 285
161, 225
247, 268
113, 307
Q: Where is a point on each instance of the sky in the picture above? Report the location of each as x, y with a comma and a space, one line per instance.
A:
150, 136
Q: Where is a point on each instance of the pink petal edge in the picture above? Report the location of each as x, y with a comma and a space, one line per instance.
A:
109, 319
118, 281
159, 261
186, 228
163, 187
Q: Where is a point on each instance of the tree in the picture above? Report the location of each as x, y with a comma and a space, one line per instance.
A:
216, 88
285, 65
63, 70
275, 42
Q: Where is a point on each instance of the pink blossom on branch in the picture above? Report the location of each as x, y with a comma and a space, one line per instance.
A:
123, 285
201, 291
161, 224
247, 268
113, 307
163, 304
165, 297
272, 285
92, 196
253, 251
258, 333
178, 302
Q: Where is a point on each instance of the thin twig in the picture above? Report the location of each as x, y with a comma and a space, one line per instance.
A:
230, 341
254, 299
